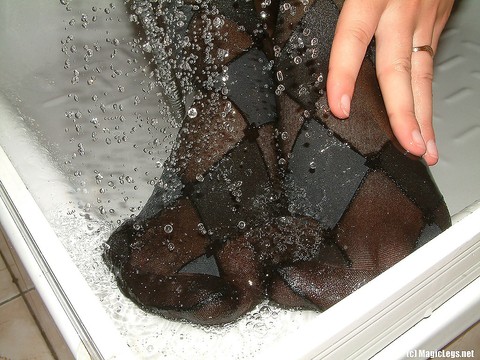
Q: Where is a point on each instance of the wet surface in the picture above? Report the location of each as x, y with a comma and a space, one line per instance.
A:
87, 100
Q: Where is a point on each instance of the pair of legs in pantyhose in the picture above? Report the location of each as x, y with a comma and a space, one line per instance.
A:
266, 195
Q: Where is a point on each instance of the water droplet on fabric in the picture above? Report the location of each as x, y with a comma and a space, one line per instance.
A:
192, 113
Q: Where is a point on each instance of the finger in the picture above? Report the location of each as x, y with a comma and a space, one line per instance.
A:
423, 72
394, 40
443, 13
422, 77
355, 29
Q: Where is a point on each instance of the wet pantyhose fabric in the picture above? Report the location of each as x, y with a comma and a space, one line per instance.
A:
266, 195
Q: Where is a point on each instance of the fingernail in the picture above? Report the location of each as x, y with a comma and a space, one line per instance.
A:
345, 105
418, 140
432, 149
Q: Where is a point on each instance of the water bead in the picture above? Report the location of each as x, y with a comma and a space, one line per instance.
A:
325, 111
279, 76
218, 22
280, 88
201, 228
192, 113
277, 50
137, 226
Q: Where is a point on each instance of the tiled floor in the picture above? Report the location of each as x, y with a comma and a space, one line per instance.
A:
469, 340
27, 332
26, 329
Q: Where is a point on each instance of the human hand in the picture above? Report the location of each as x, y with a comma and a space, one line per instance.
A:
405, 77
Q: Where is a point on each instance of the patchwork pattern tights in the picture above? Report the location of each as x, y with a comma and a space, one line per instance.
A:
266, 195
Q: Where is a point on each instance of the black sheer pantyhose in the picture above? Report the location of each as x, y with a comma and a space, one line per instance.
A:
266, 195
